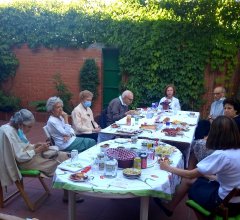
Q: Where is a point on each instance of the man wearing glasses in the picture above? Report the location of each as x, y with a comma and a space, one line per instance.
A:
217, 105
203, 126
118, 107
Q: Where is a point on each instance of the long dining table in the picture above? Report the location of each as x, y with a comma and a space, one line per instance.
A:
182, 141
153, 181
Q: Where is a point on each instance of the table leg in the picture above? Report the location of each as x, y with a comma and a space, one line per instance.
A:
144, 204
71, 205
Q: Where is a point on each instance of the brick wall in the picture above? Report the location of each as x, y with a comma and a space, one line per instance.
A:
34, 77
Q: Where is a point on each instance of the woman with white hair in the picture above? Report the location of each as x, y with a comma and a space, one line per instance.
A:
84, 124
61, 131
28, 156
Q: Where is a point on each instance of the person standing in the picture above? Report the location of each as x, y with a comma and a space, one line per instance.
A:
84, 124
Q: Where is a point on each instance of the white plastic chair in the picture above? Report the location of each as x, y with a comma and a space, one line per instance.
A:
49, 137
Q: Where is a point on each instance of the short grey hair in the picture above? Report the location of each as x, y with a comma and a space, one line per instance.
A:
51, 102
22, 117
126, 93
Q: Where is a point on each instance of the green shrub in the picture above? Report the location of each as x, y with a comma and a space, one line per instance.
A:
9, 103
63, 93
39, 105
88, 79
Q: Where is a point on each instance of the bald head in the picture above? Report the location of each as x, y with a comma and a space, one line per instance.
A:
127, 97
219, 92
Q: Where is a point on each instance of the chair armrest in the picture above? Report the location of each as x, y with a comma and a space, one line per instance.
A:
197, 207
30, 172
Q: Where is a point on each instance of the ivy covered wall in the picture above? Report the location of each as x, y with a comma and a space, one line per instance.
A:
160, 42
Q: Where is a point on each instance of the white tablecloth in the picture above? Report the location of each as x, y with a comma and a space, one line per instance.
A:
153, 181
183, 142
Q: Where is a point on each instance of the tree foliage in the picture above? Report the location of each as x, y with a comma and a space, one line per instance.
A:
160, 42
89, 79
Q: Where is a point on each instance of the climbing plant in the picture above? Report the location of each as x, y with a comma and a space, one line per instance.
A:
160, 42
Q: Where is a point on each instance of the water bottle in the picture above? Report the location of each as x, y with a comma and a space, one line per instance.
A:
153, 106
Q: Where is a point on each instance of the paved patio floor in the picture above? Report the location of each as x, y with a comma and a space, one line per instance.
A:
91, 209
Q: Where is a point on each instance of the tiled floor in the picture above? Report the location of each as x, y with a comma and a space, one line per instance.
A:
91, 209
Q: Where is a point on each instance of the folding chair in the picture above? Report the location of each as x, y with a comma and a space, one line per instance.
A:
221, 212
20, 190
10, 173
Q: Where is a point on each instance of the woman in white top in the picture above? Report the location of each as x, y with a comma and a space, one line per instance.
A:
224, 162
61, 131
170, 92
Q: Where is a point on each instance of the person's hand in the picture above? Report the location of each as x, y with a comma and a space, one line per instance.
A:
130, 112
210, 118
96, 130
41, 148
37, 145
164, 165
65, 117
66, 138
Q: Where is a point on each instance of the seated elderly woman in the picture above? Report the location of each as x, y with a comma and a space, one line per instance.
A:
28, 156
61, 131
82, 117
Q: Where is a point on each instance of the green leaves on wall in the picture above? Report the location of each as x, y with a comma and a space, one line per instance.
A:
160, 42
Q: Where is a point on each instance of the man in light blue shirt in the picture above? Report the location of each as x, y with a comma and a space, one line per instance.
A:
217, 105
203, 126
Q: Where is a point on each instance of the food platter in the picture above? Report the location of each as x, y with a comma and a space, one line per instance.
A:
128, 131
146, 126
131, 173
165, 150
78, 177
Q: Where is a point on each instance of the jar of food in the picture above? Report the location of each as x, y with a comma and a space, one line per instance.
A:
137, 163
110, 168
129, 119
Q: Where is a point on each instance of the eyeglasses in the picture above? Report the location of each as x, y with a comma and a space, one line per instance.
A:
216, 93
129, 99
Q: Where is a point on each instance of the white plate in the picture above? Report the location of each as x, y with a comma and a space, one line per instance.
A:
77, 179
120, 141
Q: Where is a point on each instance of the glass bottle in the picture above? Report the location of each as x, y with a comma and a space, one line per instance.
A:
110, 167
101, 161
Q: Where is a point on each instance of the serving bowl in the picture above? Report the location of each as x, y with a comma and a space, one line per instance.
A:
123, 156
104, 147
